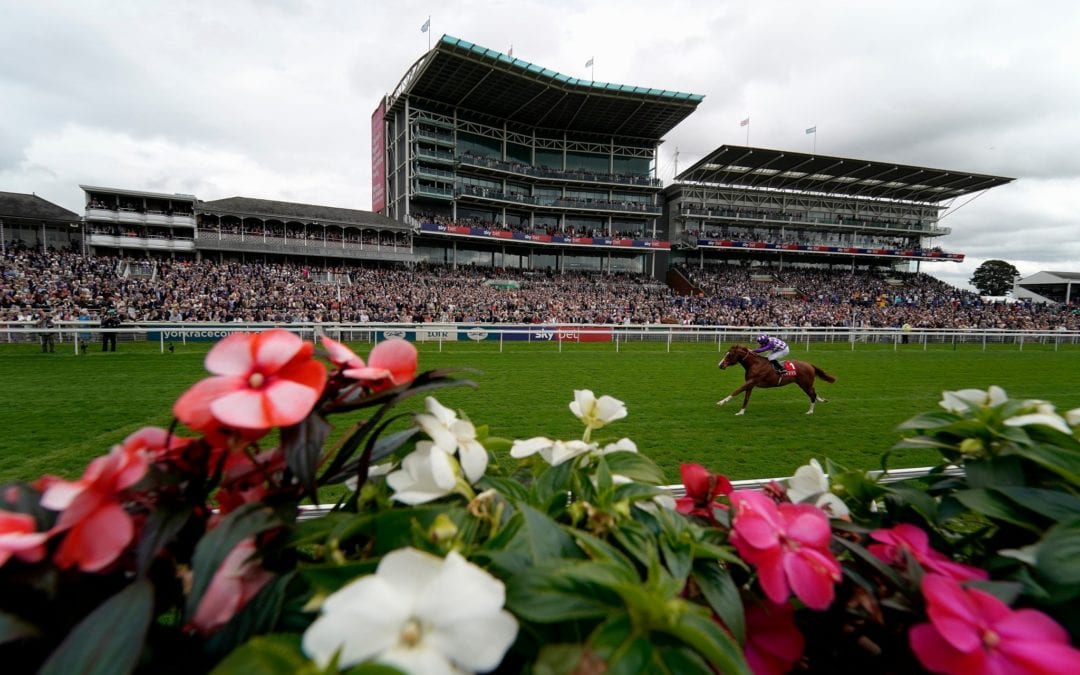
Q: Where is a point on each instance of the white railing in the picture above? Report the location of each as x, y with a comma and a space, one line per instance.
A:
308, 511
561, 335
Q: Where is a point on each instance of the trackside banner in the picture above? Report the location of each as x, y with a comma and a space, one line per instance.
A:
484, 232
187, 335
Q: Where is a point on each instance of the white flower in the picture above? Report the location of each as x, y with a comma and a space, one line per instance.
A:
417, 613
621, 445
1049, 419
1073, 417
427, 473
454, 435
595, 412
968, 399
811, 482
373, 472
553, 452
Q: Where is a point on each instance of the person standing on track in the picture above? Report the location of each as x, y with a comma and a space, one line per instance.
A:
777, 349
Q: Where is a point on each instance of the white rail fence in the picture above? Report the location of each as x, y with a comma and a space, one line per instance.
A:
80, 336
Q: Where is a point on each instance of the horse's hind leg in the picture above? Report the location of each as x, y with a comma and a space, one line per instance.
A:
746, 399
812, 394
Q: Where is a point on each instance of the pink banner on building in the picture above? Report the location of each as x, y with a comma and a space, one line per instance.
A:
378, 158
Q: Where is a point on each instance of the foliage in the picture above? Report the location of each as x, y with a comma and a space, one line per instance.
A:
994, 277
456, 549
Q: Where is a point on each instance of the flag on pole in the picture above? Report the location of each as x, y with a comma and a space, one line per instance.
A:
812, 130
511, 51
745, 122
427, 24
588, 64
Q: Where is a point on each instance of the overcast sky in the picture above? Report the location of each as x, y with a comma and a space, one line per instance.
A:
273, 99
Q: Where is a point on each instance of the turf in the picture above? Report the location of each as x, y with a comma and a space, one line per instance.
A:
58, 411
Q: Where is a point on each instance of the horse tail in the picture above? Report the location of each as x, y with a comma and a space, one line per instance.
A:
823, 375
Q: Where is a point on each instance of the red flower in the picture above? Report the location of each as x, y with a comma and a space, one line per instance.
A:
19, 537
789, 544
236, 582
773, 642
972, 632
906, 540
244, 480
98, 528
262, 380
702, 489
390, 363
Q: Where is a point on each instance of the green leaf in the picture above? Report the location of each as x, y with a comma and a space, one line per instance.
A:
872, 560
559, 659
669, 660
1053, 504
917, 499
267, 655
931, 420
722, 595
161, 528
13, 628
110, 639
244, 522
1064, 461
995, 506
635, 466
302, 444
564, 591
709, 640
544, 539
1057, 555
511, 489
329, 578
600, 551
994, 472
622, 649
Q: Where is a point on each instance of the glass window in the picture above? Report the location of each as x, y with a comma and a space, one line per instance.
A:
553, 159
520, 153
587, 161
479, 145
637, 166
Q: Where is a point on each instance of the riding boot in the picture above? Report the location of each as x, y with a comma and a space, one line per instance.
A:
779, 368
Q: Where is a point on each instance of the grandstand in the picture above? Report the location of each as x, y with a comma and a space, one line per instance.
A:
149, 224
33, 221
499, 162
773, 208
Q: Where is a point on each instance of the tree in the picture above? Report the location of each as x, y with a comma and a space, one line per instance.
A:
994, 277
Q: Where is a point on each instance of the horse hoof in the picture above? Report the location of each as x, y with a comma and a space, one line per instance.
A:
739, 413
809, 412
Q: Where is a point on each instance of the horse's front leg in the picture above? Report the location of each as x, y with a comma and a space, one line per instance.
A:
745, 401
732, 395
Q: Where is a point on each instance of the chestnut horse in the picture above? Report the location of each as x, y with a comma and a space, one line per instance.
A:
760, 373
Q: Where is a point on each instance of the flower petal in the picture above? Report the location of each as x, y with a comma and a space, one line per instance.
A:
98, 540
233, 355
275, 348
363, 619
397, 356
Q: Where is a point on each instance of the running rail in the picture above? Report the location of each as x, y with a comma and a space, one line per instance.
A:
309, 511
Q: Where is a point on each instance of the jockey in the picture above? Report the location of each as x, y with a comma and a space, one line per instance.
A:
777, 349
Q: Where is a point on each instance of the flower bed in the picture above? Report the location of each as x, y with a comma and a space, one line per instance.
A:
181, 550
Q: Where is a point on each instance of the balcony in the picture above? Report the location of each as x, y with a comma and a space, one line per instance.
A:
255, 243
131, 217
435, 155
433, 191
520, 169
149, 243
798, 219
433, 137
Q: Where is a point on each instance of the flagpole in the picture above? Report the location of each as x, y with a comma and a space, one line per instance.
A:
429, 32
748, 131
813, 147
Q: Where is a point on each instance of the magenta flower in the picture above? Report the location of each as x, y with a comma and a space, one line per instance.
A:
19, 537
702, 489
789, 545
260, 381
390, 363
906, 540
97, 527
773, 642
972, 632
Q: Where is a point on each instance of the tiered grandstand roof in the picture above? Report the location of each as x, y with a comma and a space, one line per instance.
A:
266, 208
462, 75
782, 170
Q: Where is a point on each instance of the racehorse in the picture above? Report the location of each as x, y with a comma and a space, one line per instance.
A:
760, 373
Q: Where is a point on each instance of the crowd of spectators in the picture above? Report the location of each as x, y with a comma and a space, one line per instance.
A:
69, 286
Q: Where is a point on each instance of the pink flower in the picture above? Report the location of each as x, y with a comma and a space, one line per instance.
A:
906, 540
237, 581
972, 632
390, 363
773, 642
19, 537
789, 544
98, 528
261, 380
702, 489
244, 479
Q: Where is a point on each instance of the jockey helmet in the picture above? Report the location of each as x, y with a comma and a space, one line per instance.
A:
762, 339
